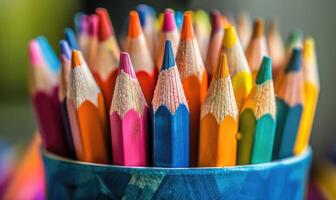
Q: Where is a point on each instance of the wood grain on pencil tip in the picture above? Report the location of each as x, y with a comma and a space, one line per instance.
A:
219, 121
289, 107
128, 118
87, 114
194, 80
171, 116
238, 66
44, 94
140, 56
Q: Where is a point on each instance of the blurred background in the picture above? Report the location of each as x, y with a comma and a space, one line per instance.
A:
22, 20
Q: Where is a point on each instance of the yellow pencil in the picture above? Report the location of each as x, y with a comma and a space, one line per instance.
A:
219, 121
310, 98
239, 69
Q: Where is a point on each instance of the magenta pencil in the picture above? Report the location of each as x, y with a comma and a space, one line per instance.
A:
128, 118
45, 99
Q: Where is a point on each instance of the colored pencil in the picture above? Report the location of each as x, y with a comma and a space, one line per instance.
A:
257, 119
219, 121
65, 57
178, 19
43, 90
294, 40
87, 114
289, 107
171, 116
105, 68
244, 28
239, 69
82, 33
194, 80
202, 28
128, 118
311, 93
71, 38
147, 18
275, 47
217, 33
51, 59
264, 113
169, 32
141, 58
257, 47
92, 42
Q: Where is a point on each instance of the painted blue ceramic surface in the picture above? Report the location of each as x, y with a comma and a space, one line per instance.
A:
283, 179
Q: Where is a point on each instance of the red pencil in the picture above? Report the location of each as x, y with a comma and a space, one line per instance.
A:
105, 67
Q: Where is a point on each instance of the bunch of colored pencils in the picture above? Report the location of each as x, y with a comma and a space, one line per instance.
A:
157, 104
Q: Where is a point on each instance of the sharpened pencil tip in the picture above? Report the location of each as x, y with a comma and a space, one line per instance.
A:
142, 11
84, 24
225, 21
65, 49
222, 69
309, 48
76, 58
230, 37
294, 63
295, 39
104, 24
71, 38
258, 28
187, 31
216, 20
134, 27
265, 71
168, 57
35, 56
125, 64
168, 21
93, 25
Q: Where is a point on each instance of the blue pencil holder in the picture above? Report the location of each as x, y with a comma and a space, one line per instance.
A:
282, 179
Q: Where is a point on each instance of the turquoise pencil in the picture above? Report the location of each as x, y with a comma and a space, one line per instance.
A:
264, 111
289, 107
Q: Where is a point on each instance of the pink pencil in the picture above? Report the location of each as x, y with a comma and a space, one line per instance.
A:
44, 94
128, 117
169, 32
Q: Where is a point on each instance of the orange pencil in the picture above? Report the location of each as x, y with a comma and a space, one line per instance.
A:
215, 42
141, 58
194, 80
87, 114
105, 68
257, 48
219, 121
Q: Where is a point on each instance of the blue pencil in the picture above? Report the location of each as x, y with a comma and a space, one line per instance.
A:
50, 55
289, 107
71, 38
171, 116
